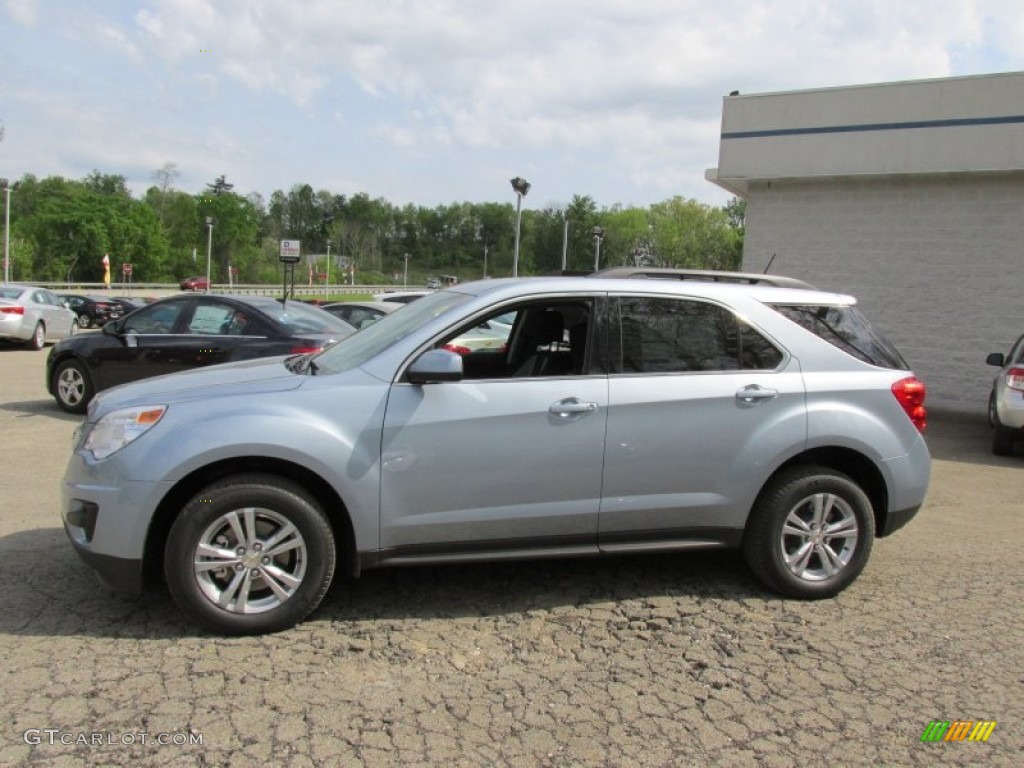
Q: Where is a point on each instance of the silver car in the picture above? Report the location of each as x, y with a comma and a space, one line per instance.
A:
623, 416
1006, 400
34, 315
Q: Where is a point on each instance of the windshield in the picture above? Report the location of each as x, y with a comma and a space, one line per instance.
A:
390, 329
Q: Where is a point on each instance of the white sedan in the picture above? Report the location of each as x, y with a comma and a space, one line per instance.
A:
33, 315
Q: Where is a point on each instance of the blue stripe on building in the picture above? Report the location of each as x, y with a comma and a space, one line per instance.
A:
951, 123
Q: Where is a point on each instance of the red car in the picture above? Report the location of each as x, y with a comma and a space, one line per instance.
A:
198, 283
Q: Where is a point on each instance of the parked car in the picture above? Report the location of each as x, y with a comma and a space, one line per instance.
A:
623, 416
196, 283
1006, 400
92, 310
33, 315
361, 313
184, 332
130, 303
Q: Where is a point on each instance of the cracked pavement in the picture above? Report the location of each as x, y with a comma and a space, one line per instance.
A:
673, 660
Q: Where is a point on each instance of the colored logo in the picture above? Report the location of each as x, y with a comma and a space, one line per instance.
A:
958, 730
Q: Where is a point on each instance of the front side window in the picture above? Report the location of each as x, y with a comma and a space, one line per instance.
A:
529, 340
156, 318
667, 335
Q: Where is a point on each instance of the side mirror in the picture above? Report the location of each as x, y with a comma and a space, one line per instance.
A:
436, 365
996, 359
111, 329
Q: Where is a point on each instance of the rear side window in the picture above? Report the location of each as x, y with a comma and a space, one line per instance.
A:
847, 329
659, 335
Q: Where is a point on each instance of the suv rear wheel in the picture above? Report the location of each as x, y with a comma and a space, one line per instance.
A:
250, 554
810, 533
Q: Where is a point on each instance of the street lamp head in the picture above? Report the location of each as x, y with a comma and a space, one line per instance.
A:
521, 186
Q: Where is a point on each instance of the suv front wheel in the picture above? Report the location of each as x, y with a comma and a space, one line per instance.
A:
250, 554
810, 533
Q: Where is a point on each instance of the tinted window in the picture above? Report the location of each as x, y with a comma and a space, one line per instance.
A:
847, 329
672, 335
157, 318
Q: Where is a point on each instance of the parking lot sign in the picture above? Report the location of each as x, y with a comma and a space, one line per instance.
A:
290, 251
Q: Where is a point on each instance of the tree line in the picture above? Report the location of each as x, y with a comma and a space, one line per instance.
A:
61, 229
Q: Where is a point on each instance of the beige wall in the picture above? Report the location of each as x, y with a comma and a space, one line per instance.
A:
936, 262
919, 127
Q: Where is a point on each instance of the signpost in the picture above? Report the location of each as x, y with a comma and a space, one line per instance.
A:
126, 271
290, 256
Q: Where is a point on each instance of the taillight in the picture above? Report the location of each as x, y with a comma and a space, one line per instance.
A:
12, 310
305, 350
911, 392
457, 349
1015, 378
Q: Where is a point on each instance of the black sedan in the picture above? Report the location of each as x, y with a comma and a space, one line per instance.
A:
92, 310
184, 332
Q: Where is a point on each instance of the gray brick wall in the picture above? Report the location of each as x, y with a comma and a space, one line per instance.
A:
935, 262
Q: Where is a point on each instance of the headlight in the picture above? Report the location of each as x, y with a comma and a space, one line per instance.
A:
118, 428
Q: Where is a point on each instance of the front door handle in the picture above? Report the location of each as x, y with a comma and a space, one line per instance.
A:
755, 393
569, 406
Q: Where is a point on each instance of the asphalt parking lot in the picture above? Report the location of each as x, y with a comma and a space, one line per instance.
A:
659, 661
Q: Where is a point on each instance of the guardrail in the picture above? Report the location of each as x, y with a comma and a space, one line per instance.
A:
127, 289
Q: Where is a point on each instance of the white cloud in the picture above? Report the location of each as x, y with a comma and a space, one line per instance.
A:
24, 12
630, 91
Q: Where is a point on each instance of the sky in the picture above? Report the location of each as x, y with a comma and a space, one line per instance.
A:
441, 101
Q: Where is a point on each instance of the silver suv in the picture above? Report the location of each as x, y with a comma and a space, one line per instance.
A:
620, 416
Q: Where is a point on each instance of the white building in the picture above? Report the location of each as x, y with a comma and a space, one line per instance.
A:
909, 196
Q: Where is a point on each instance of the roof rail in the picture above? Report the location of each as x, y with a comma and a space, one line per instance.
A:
702, 275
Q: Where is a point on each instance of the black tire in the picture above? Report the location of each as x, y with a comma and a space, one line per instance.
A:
810, 498
264, 509
84, 321
38, 340
72, 386
1002, 440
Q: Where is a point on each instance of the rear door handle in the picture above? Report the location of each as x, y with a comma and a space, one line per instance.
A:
755, 393
569, 406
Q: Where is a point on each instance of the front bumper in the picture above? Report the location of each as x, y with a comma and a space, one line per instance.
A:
122, 575
107, 519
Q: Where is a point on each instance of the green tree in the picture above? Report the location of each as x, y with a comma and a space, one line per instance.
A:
693, 235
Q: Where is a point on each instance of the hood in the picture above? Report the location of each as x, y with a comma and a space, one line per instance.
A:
265, 374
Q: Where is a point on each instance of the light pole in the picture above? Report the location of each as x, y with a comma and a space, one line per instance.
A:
209, 249
6, 186
405, 274
598, 237
485, 261
327, 282
521, 187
